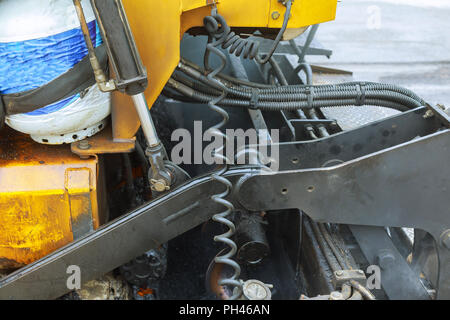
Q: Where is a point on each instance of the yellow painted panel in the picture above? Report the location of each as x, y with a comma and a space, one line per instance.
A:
245, 13
46, 192
192, 4
32, 226
304, 13
78, 180
156, 29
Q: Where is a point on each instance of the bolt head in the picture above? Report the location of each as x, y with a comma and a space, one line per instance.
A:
275, 15
84, 145
428, 114
385, 259
159, 185
335, 295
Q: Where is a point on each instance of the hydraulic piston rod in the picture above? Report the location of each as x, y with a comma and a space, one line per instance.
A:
130, 76
146, 120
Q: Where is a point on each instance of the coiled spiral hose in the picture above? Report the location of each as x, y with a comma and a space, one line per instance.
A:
220, 157
219, 30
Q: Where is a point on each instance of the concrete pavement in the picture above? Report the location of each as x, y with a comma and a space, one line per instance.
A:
405, 42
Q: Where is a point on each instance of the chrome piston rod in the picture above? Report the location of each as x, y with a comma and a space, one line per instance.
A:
148, 127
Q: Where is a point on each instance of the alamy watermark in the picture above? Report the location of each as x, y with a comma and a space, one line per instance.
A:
74, 279
374, 17
239, 146
374, 278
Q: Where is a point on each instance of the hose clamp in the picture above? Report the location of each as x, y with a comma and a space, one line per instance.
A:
213, 4
310, 93
284, 2
254, 99
361, 97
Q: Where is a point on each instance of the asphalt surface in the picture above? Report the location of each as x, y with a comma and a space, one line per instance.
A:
404, 42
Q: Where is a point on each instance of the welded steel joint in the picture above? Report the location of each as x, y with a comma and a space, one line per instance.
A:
284, 2
342, 276
385, 258
160, 177
445, 239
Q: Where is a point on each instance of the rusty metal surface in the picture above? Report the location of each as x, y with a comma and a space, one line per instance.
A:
102, 143
48, 198
107, 287
124, 118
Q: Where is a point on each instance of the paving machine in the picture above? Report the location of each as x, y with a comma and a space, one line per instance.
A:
187, 149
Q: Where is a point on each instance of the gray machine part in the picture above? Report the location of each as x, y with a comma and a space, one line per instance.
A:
368, 188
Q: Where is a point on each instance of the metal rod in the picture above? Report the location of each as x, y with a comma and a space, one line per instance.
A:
333, 248
328, 254
100, 76
148, 127
283, 81
301, 54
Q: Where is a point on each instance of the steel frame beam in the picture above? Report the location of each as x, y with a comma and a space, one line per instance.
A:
398, 279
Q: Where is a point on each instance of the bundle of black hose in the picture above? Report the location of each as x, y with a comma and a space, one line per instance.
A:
360, 90
300, 96
290, 105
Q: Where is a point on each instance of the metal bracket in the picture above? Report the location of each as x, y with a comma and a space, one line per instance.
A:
342, 276
397, 278
129, 71
439, 112
284, 2
212, 3
101, 143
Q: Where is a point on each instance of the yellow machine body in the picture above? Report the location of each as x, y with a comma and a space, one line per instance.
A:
158, 27
48, 195
48, 198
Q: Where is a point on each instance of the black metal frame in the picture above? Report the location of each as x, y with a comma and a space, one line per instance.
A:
404, 184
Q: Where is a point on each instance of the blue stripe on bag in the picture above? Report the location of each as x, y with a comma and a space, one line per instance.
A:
29, 64
54, 107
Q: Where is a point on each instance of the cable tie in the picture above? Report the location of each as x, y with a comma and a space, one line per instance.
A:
310, 93
361, 98
254, 99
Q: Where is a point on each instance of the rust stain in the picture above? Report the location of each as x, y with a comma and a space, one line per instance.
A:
35, 208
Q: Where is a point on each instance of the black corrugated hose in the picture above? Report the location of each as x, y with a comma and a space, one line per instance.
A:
191, 82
